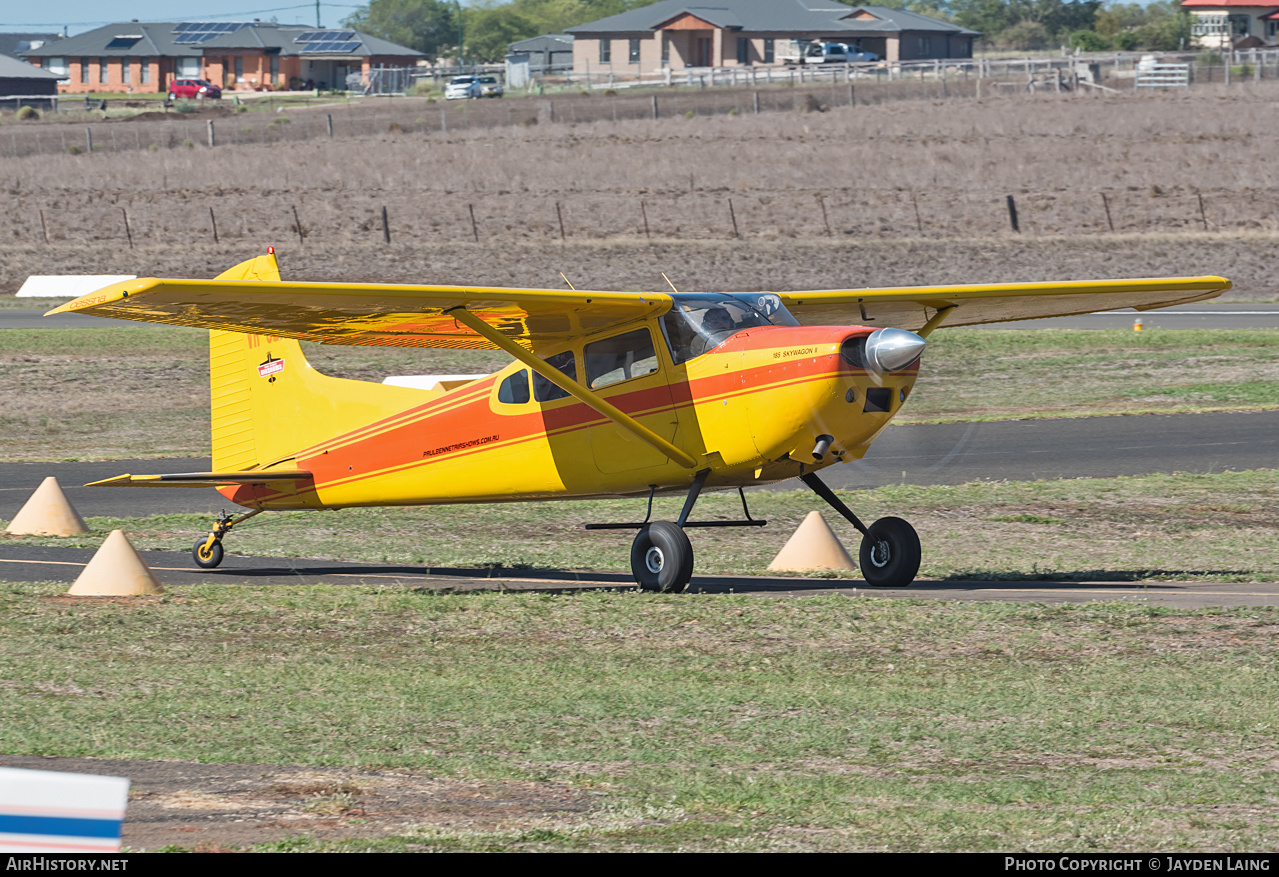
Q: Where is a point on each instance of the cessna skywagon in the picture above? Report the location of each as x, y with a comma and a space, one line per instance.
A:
609, 394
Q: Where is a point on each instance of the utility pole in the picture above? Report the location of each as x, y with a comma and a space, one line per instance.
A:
459, 35
317, 14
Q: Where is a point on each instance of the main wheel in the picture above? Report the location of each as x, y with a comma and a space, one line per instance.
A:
890, 554
662, 558
207, 559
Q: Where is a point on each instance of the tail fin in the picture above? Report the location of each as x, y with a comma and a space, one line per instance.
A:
268, 402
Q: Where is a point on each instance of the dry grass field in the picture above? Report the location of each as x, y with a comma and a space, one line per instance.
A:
903, 192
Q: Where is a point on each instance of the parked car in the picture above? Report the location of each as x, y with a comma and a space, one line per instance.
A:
194, 88
490, 87
836, 53
462, 87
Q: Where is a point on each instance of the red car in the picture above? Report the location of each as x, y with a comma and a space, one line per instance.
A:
193, 88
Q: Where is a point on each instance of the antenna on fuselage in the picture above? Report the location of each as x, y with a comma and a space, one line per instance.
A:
569, 282
668, 282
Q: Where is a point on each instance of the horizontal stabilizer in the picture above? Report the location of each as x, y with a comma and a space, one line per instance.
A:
203, 479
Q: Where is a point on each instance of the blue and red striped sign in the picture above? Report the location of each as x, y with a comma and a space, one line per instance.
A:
43, 811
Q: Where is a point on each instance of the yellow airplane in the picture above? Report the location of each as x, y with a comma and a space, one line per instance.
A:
610, 394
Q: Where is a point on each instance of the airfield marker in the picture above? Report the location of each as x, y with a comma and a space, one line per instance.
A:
813, 546
47, 513
116, 570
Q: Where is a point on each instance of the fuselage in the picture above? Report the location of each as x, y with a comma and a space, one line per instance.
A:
751, 409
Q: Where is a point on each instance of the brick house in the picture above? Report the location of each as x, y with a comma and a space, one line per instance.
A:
245, 56
675, 34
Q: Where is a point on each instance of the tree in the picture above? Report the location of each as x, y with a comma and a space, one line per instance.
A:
430, 26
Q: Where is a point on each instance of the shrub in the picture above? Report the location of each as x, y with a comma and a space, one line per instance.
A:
74, 150
1208, 59
610, 92
811, 104
1127, 41
241, 108
734, 112
395, 128
1089, 41
688, 115
189, 144
185, 106
1243, 70
26, 114
153, 147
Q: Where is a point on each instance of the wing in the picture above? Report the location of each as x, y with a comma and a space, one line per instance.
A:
912, 307
367, 313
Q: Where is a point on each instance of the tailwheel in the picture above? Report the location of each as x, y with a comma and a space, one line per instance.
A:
890, 553
207, 552
662, 558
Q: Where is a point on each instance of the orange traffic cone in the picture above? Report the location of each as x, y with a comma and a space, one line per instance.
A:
47, 513
813, 546
116, 571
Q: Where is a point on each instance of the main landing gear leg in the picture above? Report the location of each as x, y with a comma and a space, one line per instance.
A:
661, 555
890, 553
208, 549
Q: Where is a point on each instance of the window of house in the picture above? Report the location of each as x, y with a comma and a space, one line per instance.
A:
239, 69
606, 51
925, 45
275, 69
1239, 25
633, 52
743, 50
126, 70
620, 358
770, 51
103, 77
666, 49
84, 71
544, 390
56, 65
189, 68
144, 70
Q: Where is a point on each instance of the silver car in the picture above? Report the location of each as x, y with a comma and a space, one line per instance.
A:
462, 87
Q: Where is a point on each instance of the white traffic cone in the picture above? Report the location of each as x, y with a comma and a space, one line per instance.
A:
116, 571
47, 513
813, 546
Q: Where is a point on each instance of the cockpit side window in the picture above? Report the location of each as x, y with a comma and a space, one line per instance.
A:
695, 325
514, 390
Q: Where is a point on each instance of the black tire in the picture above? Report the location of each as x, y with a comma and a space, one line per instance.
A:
662, 558
212, 559
890, 554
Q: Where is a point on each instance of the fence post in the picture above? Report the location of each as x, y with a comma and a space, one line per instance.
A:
213, 221
88, 138
127, 231
852, 95
211, 140
329, 120
386, 226
1105, 202
733, 216
1012, 214
558, 215
756, 99
475, 229
654, 106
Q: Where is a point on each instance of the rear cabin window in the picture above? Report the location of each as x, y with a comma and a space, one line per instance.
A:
544, 390
514, 390
620, 358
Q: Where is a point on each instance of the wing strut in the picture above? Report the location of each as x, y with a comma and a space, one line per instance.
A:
568, 385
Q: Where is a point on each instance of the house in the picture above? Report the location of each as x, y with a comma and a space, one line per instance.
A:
1222, 24
14, 44
548, 53
246, 56
675, 34
19, 79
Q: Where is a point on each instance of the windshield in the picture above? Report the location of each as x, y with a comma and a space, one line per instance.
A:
698, 323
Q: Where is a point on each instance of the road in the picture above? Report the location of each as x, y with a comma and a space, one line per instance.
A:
23, 563
1202, 315
954, 453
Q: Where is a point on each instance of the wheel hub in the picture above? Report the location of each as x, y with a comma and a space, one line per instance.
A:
653, 559
881, 553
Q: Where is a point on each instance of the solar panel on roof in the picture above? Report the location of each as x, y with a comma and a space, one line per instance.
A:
324, 36
331, 47
190, 32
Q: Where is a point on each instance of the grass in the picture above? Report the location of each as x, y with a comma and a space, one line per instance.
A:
691, 723
143, 391
1222, 527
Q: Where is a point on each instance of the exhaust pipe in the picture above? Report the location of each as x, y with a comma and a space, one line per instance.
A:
822, 446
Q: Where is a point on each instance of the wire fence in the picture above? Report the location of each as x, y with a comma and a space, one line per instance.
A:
708, 94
